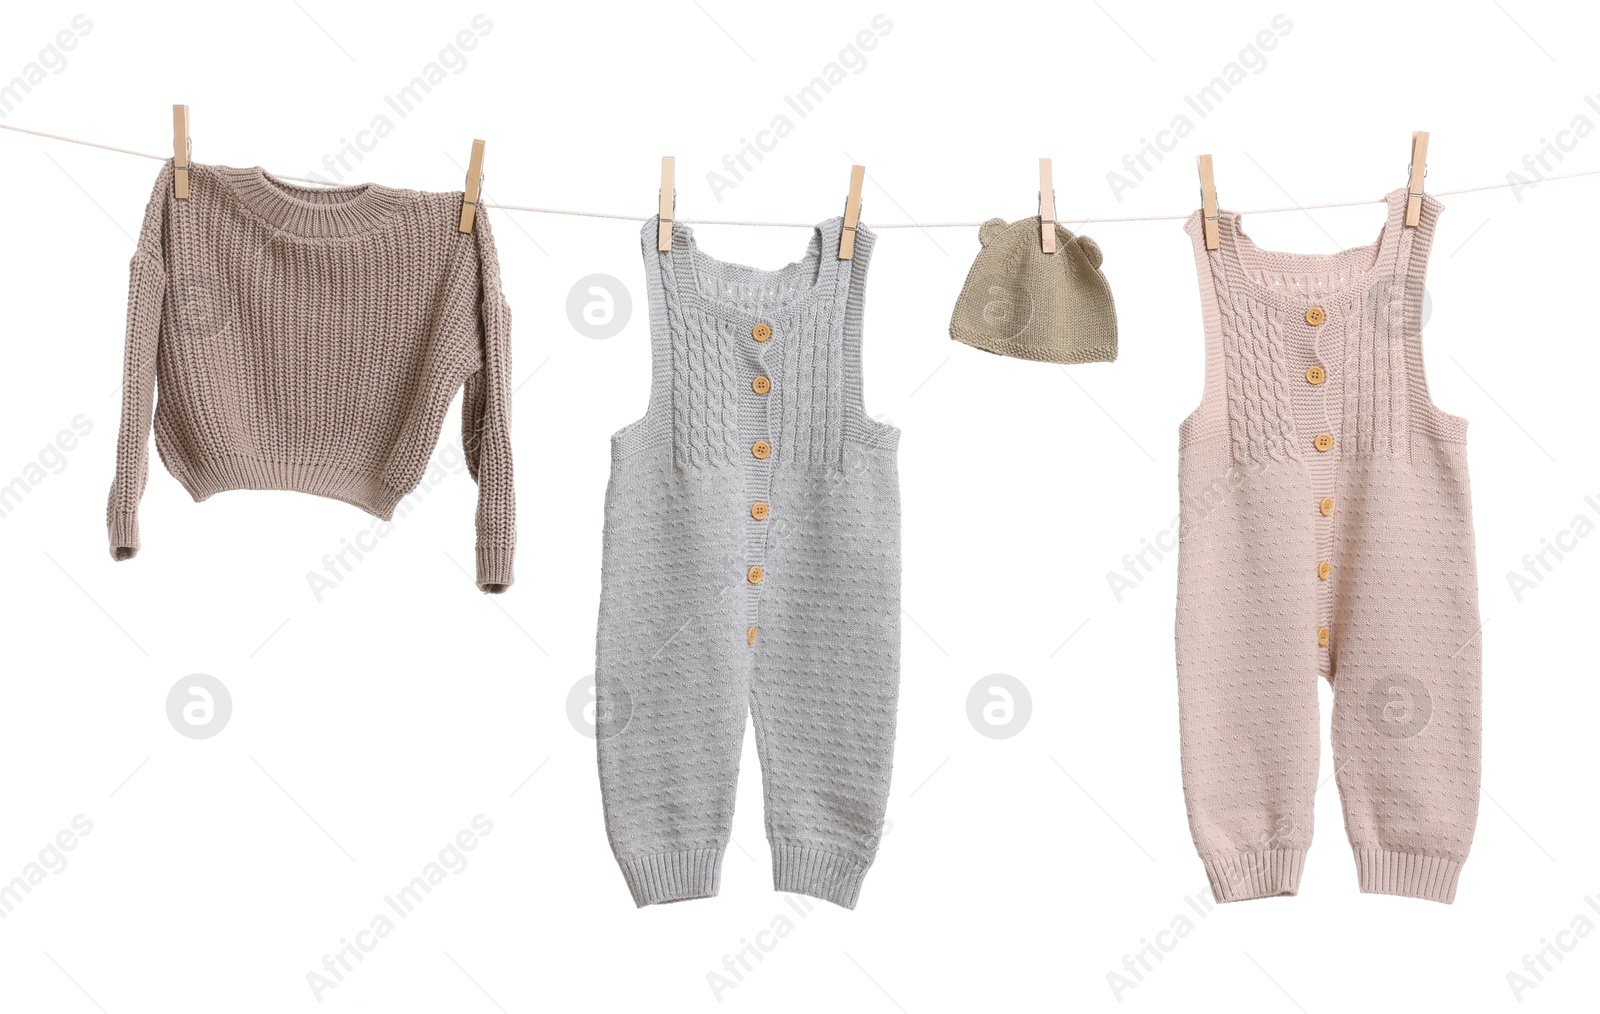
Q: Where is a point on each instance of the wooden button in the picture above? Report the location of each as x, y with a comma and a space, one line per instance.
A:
749, 635
1323, 634
1324, 569
1324, 442
1316, 375
761, 332
758, 510
1315, 316
753, 575
1326, 506
761, 385
761, 448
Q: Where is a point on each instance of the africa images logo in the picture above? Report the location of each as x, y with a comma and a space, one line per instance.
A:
1007, 308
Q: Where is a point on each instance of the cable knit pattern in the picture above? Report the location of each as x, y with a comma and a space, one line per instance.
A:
312, 339
1326, 530
690, 638
709, 349
1257, 379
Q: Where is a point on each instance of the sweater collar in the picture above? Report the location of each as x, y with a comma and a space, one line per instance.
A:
1338, 278
758, 293
310, 211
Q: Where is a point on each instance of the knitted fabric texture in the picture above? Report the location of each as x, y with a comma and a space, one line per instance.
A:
1326, 529
751, 565
312, 339
1020, 301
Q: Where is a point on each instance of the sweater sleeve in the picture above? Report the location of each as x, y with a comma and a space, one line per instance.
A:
147, 285
486, 423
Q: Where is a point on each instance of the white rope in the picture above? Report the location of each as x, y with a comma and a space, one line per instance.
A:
74, 140
874, 225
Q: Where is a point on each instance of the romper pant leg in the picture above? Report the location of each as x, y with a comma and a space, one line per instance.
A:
672, 681
825, 685
1247, 670
1407, 711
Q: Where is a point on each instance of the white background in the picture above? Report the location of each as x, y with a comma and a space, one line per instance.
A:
372, 726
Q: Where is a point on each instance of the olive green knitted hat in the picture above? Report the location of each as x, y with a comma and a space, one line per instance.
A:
1020, 301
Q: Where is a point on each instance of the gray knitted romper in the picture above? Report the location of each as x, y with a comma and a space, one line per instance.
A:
751, 562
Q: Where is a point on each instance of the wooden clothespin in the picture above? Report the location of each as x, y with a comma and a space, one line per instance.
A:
180, 152
1419, 169
470, 196
667, 202
852, 213
1208, 202
1047, 208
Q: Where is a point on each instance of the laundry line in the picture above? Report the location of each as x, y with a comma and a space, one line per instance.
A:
572, 212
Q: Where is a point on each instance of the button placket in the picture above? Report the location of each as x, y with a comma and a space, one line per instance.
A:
1326, 333
757, 429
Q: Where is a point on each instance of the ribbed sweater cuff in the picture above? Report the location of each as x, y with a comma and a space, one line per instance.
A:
1408, 874
494, 568
673, 876
123, 527
1265, 874
797, 869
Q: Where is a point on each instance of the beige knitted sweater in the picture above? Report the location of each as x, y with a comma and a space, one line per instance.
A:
312, 339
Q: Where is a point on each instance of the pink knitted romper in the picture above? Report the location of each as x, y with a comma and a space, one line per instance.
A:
1326, 530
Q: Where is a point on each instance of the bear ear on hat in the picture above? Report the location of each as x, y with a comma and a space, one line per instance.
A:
1091, 250
988, 231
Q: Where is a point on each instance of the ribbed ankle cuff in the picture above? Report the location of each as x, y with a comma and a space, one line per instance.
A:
494, 568
123, 527
1265, 874
797, 869
673, 876
1408, 874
